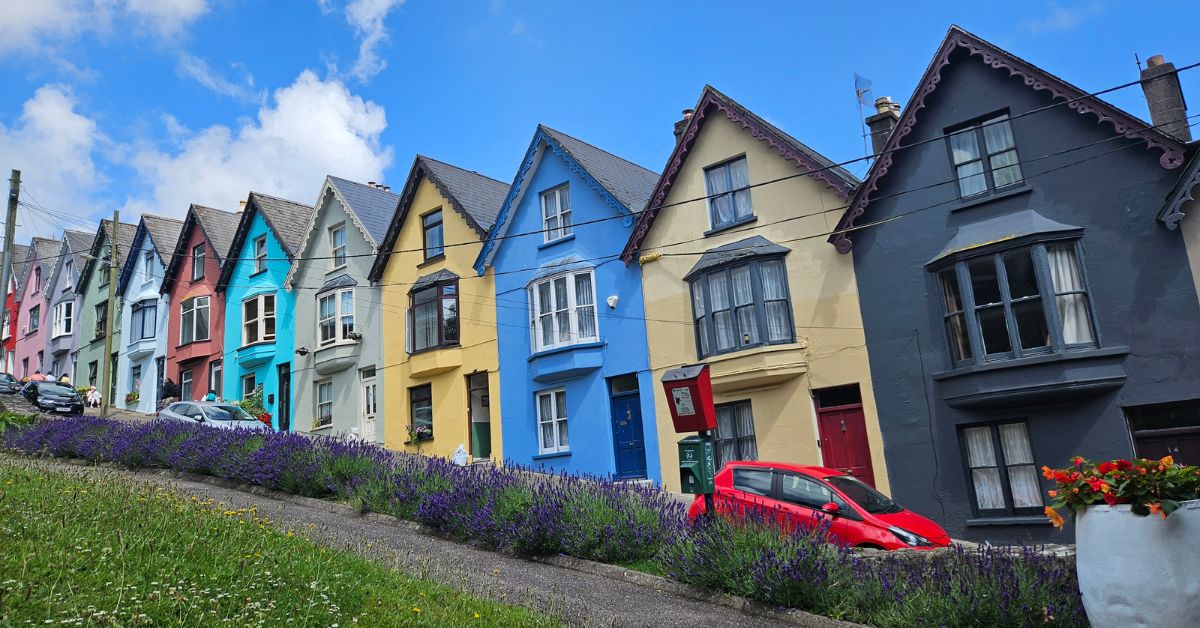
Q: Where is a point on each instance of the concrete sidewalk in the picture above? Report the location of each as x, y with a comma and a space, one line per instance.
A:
581, 592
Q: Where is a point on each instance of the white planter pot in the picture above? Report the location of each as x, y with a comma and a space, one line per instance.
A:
1139, 571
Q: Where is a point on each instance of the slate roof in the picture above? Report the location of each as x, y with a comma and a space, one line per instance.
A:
124, 238
628, 182
754, 246
219, 226
341, 281
477, 198
80, 243
372, 207
164, 233
19, 258
286, 219
433, 278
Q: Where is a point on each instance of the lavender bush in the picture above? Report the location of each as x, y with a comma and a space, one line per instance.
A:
511, 509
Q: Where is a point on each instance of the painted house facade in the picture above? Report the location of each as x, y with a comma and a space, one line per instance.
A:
63, 302
576, 389
31, 305
196, 324
92, 287
338, 324
444, 377
770, 307
1022, 304
142, 355
8, 331
258, 350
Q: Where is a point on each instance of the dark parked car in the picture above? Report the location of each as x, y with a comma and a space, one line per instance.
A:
9, 385
53, 397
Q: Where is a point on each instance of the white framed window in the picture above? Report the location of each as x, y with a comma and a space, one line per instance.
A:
68, 272
7, 325
337, 245
729, 193
185, 382
135, 377
198, 262
563, 311
258, 319
64, 319
324, 404
335, 316
35, 318
370, 392
37, 280
249, 384
556, 213
194, 315
552, 421
260, 254
148, 262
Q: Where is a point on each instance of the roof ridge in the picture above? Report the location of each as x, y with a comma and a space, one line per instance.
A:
589, 144
278, 198
460, 168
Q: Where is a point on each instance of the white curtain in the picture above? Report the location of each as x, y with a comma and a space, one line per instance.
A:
980, 453
562, 311
779, 316
726, 436
743, 300
1022, 473
702, 321
584, 307
739, 176
1072, 307
722, 317
546, 421
722, 204
747, 445
997, 134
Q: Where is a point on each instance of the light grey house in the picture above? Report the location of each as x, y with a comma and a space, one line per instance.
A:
339, 343
63, 303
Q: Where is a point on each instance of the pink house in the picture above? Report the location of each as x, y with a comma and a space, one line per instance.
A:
196, 322
33, 308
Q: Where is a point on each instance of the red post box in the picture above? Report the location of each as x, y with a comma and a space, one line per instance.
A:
689, 395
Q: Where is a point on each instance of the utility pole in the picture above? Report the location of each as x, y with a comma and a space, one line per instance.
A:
10, 234
107, 381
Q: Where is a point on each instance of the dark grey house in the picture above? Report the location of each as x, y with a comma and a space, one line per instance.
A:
1022, 302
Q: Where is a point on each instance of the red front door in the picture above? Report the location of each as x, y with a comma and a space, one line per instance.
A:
844, 443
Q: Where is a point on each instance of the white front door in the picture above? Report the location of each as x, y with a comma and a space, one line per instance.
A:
369, 405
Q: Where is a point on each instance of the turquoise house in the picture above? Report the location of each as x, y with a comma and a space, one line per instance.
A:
251, 281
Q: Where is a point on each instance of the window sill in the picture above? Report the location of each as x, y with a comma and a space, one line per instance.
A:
1078, 354
432, 260
1031, 520
435, 348
257, 344
561, 240
336, 269
582, 345
419, 441
327, 426
976, 201
557, 454
188, 344
733, 225
257, 273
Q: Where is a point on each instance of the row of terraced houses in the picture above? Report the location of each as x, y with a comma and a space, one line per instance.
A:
1013, 283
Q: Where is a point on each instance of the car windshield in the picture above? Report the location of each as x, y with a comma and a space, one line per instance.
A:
7, 378
870, 499
227, 413
55, 389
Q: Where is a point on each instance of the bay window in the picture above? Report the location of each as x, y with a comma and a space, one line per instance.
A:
556, 213
144, 319
433, 320
64, 319
552, 421
335, 316
728, 187
194, 320
562, 311
1016, 303
742, 306
1003, 475
258, 319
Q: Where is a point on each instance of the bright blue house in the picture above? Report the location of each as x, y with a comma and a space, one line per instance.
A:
576, 391
252, 279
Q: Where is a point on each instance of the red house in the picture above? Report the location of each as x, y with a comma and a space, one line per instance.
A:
196, 322
8, 343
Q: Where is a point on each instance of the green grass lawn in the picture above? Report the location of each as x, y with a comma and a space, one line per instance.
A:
104, 551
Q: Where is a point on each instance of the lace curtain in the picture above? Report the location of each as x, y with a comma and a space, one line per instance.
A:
1072, 306
989, 493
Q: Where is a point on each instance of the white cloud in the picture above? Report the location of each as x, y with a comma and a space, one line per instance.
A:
199, 70
52, 145
518, 29
1062, 18
366, 17
314, 127
40, 26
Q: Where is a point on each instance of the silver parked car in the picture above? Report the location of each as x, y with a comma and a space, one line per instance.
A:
211, 413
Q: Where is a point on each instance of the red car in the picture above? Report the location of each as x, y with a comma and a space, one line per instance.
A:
860, 516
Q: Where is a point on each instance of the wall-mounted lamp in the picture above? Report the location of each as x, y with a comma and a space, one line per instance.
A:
303, 351
612, 301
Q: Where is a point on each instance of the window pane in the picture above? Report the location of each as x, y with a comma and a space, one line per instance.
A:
739, 176
1022, 280
1073, 308
748, 325
994, 328
725, 330
963, 146
560, 403
960, 341
971, 180
718, 291
997, 134
549, 204
702, 330
425, 326
984, 281
202, 322
951, 299
1014, 440
250, 310
980, 451
773, 286
989, 493
450, 319
583, 289
743, 292
748, 447
697, 300
1026, 491
779, 321
545, 408
433, 241
1031, 324
1005, 169
752, 481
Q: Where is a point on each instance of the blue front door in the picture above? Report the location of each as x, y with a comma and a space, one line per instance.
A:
628, 440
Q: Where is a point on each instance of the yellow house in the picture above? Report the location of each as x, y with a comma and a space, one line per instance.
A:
439, 318
737, 273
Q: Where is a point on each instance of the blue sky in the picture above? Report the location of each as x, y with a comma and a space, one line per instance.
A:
147, 105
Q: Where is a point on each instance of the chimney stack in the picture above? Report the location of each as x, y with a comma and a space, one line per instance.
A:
1168, 110
882, 122
682, 123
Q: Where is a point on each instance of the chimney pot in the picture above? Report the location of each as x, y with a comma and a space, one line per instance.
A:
882, 122
682, 123
1164, 98
371, 183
